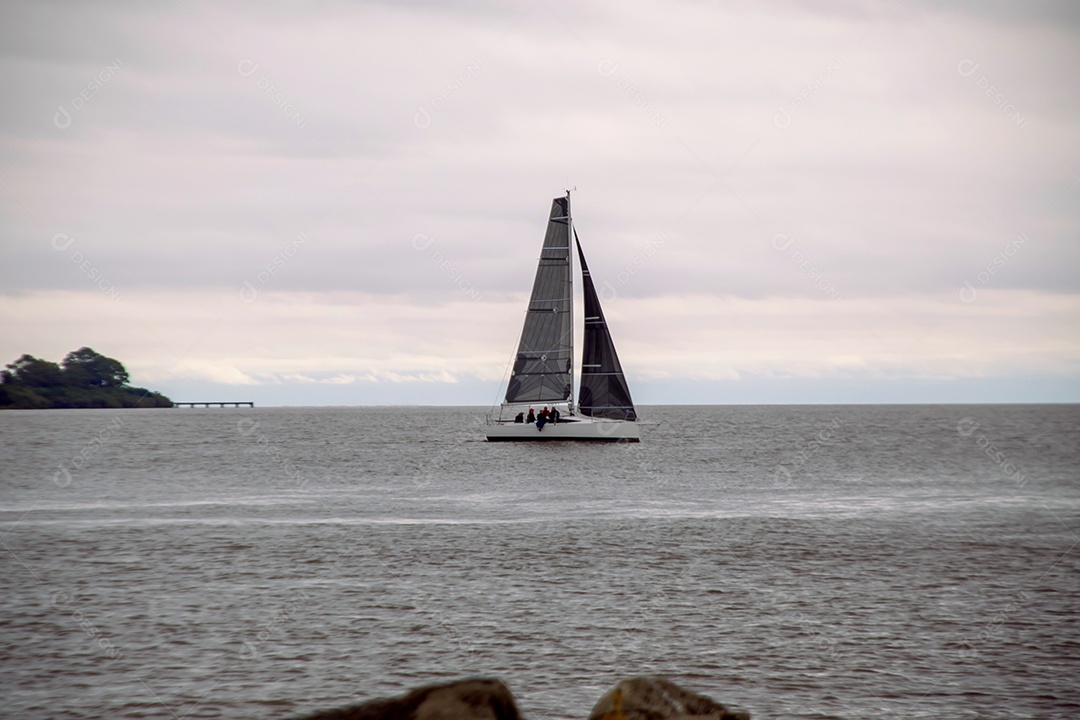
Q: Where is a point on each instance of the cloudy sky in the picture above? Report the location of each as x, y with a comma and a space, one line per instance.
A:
342, 203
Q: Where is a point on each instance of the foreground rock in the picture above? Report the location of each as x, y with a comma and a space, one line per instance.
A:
639, 698
649, 698
483, 699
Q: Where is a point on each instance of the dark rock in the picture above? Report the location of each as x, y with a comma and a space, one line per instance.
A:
650, 698
480, 699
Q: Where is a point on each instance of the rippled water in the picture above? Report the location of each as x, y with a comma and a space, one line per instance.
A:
799, 562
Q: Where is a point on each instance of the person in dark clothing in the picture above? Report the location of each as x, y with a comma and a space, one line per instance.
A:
520, 418
543, 415
553, 416
531, 417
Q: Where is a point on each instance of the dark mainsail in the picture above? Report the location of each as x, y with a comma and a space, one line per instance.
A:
604, 392
543, 365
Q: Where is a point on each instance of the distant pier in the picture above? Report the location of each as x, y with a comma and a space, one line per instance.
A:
236, 403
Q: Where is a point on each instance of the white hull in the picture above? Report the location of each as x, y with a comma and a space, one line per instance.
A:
583, 430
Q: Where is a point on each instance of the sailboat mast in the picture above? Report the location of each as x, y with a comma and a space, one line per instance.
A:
570, 252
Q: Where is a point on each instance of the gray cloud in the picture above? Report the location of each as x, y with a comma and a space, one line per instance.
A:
858, 149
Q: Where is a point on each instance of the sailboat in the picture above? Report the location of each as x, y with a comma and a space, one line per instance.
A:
543, 372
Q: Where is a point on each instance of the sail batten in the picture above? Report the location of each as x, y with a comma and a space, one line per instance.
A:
604, 392
543, 370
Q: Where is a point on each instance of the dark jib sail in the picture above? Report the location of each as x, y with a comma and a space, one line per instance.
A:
542, 368
604, 393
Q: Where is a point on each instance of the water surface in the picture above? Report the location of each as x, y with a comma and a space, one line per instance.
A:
799, 562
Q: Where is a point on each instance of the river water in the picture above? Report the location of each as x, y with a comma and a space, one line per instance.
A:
797, 562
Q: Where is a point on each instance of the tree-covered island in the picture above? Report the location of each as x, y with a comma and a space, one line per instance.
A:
85, 379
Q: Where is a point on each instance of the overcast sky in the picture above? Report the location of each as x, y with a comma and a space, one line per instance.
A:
344, 202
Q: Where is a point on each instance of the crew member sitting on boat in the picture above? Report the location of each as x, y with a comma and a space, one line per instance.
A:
553, 416
542, 419
531, 417
520, 418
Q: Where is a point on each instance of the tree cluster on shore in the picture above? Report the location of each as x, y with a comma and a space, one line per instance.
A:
85, 379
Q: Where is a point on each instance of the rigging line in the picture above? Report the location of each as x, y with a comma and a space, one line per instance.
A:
505, 377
